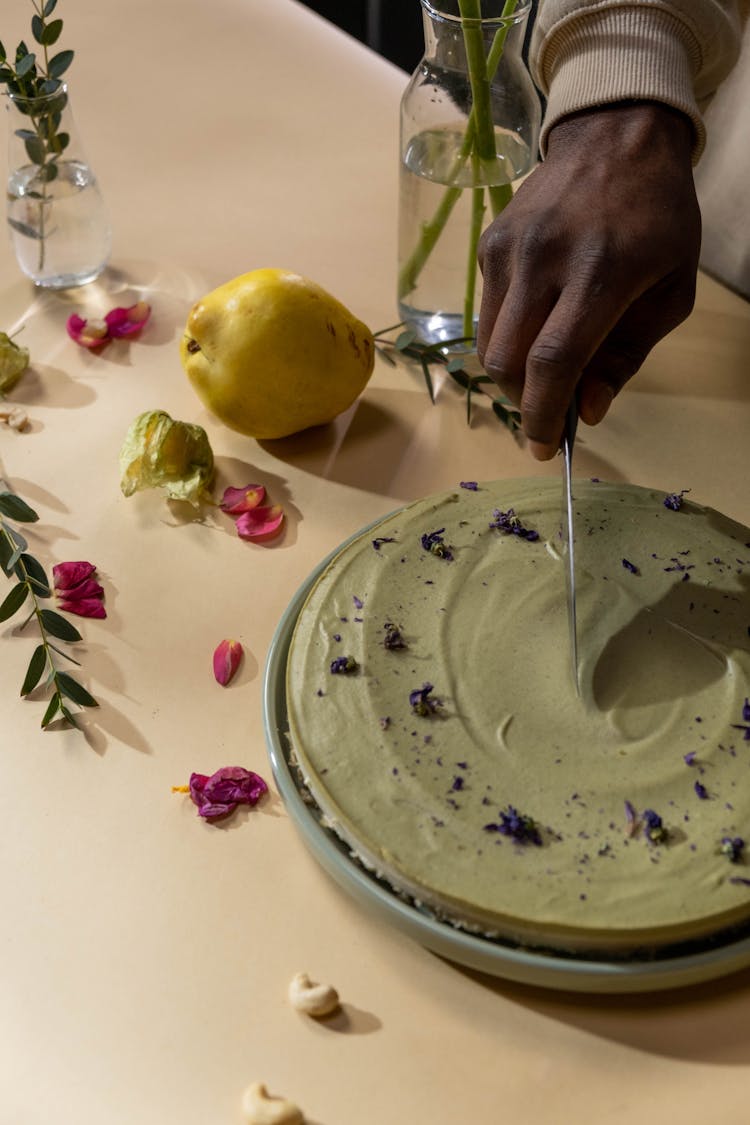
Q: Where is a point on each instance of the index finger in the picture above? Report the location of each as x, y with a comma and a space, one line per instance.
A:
570, 336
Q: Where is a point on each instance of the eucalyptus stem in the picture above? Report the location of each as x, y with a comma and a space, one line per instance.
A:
500, 194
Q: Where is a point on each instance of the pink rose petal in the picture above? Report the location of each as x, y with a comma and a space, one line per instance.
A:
260, 523
127, 321
227, 658
69, 574
237, 500
77, 590
84, 607
220, 793
87, 333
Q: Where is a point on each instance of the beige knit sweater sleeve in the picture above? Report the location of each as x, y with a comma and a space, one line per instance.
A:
593, 52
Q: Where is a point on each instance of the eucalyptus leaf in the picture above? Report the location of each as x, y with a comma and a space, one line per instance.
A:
49, 8
55, 704
36, 149
67, 714
59, 63
428, 380
35, 670
25, 65
58, 626
26, 134
75, 691
404, 339
51, 33
3, 52
37, 28
14, 601
16, 508
24, 229
59, 143
60, 652
36, 575
48, 172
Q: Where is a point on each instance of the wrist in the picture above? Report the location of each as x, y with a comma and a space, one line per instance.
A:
630, 127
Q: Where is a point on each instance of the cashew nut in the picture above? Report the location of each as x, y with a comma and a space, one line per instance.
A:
14, 417
261, 1109
311, 998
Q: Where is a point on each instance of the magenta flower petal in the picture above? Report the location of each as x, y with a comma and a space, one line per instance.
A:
227, 659
89, 588
84, 607
237, 500
87, 333
220, 793
69, 574
260, 523
77, 590
127, 321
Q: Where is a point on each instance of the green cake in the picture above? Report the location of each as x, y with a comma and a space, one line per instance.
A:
435, 722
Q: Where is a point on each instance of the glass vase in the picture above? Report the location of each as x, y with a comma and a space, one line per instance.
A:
57, 219
469, 134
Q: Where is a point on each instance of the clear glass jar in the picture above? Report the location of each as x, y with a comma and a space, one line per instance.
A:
469, 134
57, 219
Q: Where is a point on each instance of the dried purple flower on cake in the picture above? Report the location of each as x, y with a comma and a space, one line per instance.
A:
381, 539
733, 847
510, 524
422, 701
654, 827
674, 500
343, 666
471, 485
393, 638
701, 791
630, 566
745, 726
518, 826
433, 542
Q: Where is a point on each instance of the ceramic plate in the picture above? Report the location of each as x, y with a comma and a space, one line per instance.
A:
476, 952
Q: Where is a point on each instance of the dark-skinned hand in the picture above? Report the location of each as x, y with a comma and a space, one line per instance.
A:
592, 262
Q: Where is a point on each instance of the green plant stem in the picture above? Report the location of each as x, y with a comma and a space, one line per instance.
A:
500, 194
475, 230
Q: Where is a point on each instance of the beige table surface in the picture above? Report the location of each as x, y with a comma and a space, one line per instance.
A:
145, 954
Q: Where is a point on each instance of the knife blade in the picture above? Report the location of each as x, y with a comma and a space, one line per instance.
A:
568, 534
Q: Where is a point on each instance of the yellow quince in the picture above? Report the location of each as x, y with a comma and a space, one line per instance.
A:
271, 353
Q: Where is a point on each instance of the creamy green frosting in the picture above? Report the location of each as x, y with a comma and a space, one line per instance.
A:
665, 673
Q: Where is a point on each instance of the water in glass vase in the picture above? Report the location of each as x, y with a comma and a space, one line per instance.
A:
436, 183
59, 229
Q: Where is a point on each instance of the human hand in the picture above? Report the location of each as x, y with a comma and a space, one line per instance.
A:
591, 263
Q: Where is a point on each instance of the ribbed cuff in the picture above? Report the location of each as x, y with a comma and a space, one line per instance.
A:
619, 54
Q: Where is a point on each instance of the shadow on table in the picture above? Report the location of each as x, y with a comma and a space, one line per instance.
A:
396, 443
701, 1023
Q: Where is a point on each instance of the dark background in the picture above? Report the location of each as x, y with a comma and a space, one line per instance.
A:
393, 28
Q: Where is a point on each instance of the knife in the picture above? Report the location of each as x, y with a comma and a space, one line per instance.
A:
568, 534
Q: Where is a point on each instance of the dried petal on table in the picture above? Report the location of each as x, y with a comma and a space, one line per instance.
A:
260, 523
127, 321
77, 590
227, 659
238, 500
87, 333
224, 790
